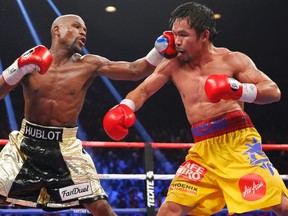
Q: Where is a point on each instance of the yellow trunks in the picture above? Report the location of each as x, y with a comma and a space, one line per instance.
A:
226, 168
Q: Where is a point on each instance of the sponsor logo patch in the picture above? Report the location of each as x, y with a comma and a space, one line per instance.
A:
185, 188
50, 134
191, 170
252, 187
28, 53
75, 191
234, 84
150, 188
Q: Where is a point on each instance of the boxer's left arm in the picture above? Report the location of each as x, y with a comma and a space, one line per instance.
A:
254, 85
150, 85
118, 70
164, 48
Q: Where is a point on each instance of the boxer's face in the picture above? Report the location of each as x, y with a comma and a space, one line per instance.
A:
73, 33
188, 44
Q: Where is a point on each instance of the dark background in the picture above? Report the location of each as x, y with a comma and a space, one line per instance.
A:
255, 27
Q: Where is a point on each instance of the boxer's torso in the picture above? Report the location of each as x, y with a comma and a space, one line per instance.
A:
56, 98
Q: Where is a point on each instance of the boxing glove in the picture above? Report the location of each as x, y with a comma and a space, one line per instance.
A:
164, 46
219, 87
38, 58
118, 119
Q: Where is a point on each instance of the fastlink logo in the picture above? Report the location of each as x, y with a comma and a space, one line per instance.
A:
252, 187
150, 188
184, 188
75, 191
191, 170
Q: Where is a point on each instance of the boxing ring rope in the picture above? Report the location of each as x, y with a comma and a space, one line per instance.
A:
156, 145
149, 176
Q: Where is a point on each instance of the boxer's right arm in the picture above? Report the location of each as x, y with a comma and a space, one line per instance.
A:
221, 86
38, 58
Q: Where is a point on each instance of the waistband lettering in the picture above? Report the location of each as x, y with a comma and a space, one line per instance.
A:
212, 127
42, 133
220, 125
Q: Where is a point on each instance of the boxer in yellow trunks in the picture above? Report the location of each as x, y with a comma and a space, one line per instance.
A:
240, 174
47, 167
226, 166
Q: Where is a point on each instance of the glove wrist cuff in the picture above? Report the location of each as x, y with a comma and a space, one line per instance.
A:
154, 57
249, 93
11, 75
129, 103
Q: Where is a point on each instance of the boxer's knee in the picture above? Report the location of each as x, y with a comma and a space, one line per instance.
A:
100, 208
282, 208
173, 209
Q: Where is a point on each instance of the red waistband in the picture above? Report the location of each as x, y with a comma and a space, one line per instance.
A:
220, 125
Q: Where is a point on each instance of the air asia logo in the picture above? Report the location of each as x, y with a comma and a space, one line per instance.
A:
191, 170
252, 187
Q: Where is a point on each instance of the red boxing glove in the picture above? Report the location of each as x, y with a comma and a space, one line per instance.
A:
219, 87
38, 58
118, 119
165, 45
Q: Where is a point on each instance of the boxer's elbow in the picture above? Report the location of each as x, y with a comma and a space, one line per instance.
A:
268, 94
276, 92
277, 95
